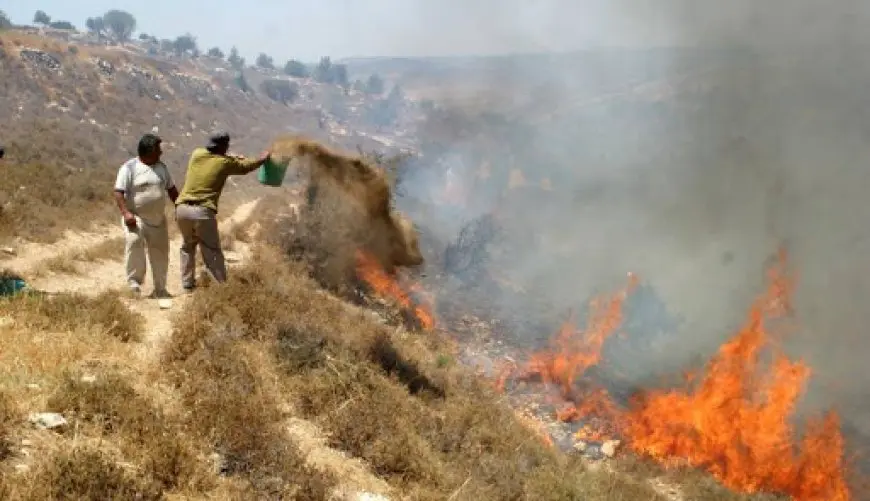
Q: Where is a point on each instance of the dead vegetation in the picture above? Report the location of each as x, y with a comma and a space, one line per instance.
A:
67, 312
380, 395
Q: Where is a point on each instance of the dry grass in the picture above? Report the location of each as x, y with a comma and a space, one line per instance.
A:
429, 430
66, 312
67, 263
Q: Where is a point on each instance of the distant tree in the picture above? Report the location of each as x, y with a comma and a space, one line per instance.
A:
359, 85
216, 53
323, 71
145, 37
282, 91
339, 75
62, 25
396, 95
41, 18
5, 22
95, 25
242, 82
185, 44
296, 68
167, 45
120, 23
235, 60
375, 84
265, 62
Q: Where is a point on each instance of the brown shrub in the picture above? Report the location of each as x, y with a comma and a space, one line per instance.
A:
112, 405
64, 312
89, 474
233, 410
9, 418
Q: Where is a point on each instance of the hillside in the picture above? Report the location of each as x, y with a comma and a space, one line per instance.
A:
276, 386
75, 109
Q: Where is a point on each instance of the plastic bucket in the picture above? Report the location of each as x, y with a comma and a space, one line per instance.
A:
10, 286
271, 173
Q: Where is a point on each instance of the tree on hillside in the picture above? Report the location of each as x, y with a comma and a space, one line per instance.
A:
323, 71
185, 44
5, 22
41, 18
326, 72
216, 53
95, 25
236, 61
265, 62
339, 75
282, 91
396, 95
62, 25
296, 68
120, 23
374, 85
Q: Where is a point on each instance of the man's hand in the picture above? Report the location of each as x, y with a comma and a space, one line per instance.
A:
265, 156
130, 220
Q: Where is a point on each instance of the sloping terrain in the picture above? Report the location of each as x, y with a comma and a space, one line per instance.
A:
267, 387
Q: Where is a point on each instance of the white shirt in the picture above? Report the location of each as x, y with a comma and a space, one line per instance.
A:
145, 189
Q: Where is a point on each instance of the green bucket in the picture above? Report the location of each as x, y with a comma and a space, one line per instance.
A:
271, 173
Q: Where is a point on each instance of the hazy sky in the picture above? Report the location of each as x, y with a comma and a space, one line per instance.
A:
307, 29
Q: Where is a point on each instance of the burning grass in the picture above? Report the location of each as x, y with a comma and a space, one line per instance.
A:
430, 429
732, 419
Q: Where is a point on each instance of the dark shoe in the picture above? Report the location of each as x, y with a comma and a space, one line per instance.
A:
164, 294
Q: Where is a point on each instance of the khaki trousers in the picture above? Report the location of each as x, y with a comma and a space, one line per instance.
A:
154, 239
198, 227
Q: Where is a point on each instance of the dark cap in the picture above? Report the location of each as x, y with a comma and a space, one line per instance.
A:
217, 139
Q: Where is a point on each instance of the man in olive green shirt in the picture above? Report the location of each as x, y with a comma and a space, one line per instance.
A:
197, 206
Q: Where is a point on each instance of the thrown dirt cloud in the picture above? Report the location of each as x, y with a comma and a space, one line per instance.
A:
689, 167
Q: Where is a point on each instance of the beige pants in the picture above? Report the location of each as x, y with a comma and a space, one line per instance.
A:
198, 227
154, 239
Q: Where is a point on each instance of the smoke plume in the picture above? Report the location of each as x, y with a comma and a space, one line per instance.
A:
704, 137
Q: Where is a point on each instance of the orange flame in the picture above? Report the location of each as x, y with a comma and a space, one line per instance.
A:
734, 423
574, 351
370, 271
732, 420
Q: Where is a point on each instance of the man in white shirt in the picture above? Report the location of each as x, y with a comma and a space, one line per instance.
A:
141, 188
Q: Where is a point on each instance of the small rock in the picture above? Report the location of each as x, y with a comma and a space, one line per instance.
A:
231, 257
609, 447
22, 468
48, 420
26, 442
580, 446
88, 378
32, 386
9, 250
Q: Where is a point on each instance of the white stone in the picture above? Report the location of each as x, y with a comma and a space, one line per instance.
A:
48, 420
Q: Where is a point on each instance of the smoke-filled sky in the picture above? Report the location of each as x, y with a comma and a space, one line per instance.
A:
308, 29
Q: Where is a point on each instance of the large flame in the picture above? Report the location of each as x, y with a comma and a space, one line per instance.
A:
370, 271
735, 421
732, 421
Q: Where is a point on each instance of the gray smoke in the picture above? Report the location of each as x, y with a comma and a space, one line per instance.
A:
687, 166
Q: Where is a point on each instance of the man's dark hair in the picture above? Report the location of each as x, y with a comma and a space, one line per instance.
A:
2, 151
148, 144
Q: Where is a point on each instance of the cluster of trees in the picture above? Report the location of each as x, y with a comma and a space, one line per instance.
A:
44, 19
119, 25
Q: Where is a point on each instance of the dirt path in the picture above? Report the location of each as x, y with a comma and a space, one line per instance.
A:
357, 482
100, 276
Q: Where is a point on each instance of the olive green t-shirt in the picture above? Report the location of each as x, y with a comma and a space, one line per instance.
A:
206, 174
